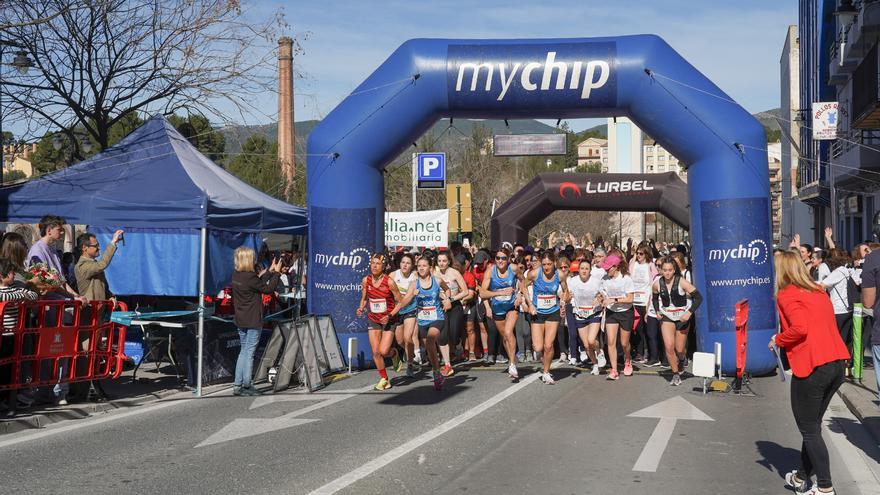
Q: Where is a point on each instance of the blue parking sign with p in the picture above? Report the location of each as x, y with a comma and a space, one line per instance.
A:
432, 166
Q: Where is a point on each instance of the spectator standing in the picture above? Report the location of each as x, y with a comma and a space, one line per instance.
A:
15, 249
870, 282
248, 288
92, 282
43, 251
817, 355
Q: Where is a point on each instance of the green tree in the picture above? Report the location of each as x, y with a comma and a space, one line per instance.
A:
13, 175
258, 165
199, 132
7, 138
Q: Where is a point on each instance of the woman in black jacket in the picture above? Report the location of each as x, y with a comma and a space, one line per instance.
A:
248, 288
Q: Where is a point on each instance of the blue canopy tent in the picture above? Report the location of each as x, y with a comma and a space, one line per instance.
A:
172, 201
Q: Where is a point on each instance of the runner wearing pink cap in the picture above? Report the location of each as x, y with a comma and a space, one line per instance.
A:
618, 290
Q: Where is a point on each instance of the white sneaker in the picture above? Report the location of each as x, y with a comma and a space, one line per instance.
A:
417, 356
799, 486
563, 357
600, 357
595, 370
511, 370
584, 356
547, 378
572, 361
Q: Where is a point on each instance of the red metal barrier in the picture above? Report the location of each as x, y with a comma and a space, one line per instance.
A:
58, 342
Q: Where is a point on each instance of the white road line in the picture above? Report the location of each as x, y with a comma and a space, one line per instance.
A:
649, 459
862, 468
394, 454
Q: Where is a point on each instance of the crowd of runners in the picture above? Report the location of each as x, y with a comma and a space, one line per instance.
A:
599, 307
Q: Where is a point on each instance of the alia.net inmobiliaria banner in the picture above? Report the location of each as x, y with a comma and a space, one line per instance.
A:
417, 228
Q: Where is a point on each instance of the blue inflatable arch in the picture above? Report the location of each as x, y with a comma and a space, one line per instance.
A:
640, 77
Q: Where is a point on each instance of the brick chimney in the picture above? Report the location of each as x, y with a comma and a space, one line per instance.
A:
285, 112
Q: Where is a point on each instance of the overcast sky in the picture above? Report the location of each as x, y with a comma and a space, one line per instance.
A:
737, 44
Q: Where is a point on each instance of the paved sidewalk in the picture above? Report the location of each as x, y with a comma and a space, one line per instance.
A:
861, 398
150, 386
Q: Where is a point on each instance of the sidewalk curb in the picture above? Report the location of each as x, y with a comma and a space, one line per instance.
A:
59, 414
860, 402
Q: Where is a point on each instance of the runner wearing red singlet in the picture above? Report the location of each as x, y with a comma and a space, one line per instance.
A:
379, 296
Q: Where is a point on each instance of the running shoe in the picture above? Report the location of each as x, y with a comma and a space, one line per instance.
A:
251, 391
563, 357
397, 363
676, 380
519, 357
472, 358
512, 371
612, 375
600, 357
383, 384
595, 370
438, 380
584, 356
547, 378
501, 359
488, 359
447, 370
627, 368
799, 486
654, 364
572, 361
817, 491
417, 357
641, 360
409, 370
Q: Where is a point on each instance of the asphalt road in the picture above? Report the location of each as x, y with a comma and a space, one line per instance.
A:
481, 434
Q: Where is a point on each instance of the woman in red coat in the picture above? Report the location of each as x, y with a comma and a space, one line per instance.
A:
817, 355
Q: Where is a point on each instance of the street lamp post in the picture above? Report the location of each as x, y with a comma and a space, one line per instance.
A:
22, 63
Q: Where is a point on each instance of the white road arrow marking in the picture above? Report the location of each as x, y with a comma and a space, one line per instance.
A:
668, 412
248, 427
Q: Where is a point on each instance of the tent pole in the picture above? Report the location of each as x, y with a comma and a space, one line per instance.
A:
201, 336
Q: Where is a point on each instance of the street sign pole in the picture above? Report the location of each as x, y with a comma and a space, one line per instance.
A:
415, 180
458, 208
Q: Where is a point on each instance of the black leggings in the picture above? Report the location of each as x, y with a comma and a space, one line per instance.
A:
652, 335
809, 400
844, 326
640, 344
454, 325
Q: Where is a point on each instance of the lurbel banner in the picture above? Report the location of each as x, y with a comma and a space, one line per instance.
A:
738, 262
341, 268
555, 75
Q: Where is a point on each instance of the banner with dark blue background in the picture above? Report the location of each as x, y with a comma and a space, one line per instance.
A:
545, 76
341, 248
738, 262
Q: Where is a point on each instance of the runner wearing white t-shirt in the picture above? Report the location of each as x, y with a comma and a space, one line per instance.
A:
617, 289
586, 302
642, 271
406, 321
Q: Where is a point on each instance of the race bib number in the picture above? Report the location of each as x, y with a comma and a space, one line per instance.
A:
546, 301
428, 313
640, 298
673, 314
378, 306
506, 298
584, 312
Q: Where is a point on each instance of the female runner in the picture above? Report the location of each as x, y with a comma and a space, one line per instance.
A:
586, 302
406, 321
617, 289
545, 308
500, 287
432, 302
381, 292
455, 316
675, 300
642, 272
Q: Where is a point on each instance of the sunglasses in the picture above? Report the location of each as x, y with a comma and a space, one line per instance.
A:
501, 258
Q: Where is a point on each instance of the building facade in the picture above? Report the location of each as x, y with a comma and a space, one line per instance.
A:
17, 157
854, 157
